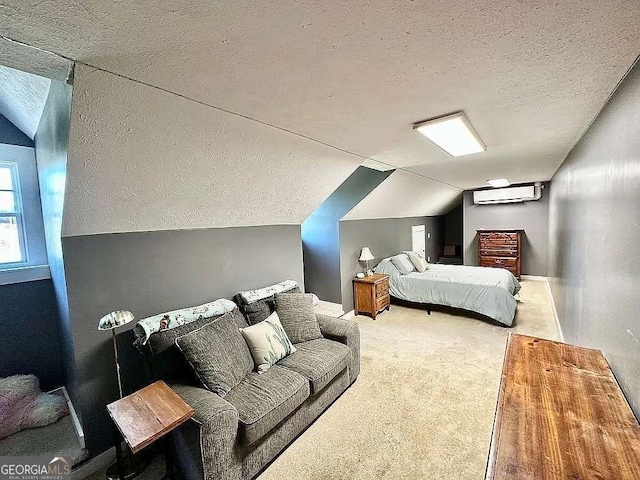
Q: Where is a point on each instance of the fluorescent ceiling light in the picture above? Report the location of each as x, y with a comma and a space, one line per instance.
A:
499, 182
453, 134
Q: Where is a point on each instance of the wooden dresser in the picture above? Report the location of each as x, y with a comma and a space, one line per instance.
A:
500, 249
371, 294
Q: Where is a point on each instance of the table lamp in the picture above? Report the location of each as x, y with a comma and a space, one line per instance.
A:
365, 256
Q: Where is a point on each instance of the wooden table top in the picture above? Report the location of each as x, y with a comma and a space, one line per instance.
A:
148, 414
561, 415
376, 277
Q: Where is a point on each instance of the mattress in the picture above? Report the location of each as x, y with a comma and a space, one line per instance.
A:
487, 291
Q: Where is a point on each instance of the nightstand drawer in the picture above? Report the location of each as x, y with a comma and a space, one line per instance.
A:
382, 289
382, 302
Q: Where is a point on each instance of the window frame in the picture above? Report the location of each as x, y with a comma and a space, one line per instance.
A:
34, 264
18, 214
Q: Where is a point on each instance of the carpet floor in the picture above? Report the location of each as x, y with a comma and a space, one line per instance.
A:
423, 405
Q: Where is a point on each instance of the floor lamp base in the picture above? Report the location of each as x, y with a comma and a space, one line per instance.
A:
131, 467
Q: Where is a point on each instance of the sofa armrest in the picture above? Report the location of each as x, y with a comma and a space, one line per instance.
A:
206, 443
346, 332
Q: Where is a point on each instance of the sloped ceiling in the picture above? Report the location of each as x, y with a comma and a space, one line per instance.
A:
22, 98
530, 75
143, 159
404, 194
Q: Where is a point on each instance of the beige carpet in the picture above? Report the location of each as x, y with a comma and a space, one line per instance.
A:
423, 405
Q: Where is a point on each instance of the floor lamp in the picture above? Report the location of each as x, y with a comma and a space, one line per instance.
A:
132, 466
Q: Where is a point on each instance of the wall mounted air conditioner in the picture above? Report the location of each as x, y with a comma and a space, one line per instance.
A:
507, 195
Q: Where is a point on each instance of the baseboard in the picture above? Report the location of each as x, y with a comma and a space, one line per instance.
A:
349, 315
95, 464
555, 312
536, 278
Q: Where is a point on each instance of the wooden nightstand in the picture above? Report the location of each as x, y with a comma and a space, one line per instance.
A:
371, 294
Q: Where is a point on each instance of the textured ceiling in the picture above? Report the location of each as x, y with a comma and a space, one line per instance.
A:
530, 75
405, 194
22, 98
142, 159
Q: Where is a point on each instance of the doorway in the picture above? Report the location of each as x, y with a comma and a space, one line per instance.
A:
418, 240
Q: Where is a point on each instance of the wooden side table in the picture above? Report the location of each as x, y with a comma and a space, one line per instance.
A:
371, 294
148, 415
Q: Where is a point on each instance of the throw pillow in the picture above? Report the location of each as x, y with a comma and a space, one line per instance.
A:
261, 303
23, 405
418, 262
402, 263
217, 354
298, 317
268, 342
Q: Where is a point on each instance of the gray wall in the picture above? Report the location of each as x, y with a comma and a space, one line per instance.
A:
453, 226
533, 217
594, 262
385, 237
30, 329
151, 272
321, 234
51, 140
11, 135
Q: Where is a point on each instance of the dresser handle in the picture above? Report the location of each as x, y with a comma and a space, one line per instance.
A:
498, 260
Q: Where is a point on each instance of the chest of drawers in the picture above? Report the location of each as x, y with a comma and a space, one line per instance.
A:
500, 249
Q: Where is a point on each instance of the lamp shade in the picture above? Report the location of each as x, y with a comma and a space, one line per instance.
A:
115, 319
366, 255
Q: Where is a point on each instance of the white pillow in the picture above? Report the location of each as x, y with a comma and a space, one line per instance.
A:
402, 263
268, 342
387, 267
417, 260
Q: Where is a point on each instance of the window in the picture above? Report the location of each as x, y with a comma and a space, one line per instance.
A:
23, 252
12, 248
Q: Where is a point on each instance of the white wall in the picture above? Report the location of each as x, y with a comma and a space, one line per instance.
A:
145, 160
405, 194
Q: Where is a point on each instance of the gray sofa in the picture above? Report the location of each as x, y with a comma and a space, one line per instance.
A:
235, 437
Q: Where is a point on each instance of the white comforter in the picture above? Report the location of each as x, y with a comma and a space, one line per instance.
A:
488, 291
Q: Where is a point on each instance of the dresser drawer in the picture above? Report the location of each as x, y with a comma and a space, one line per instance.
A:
498, 243
499, 237
382, 289
499, 252
503, 262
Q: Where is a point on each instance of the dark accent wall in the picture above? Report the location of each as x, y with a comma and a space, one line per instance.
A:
321, 236
594, 262
532, 216
12, 135
385, 237
51, 142
151, 272
453, 226
29, 328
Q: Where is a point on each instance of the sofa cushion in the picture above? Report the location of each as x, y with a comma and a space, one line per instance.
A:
319, 361
218, 354
166, 359
264, 400
268, 342
298, 316
257, 305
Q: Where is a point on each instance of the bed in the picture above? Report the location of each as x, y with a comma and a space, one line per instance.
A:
486, 291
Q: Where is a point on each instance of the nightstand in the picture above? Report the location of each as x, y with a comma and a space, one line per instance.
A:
371, 294
146, 416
